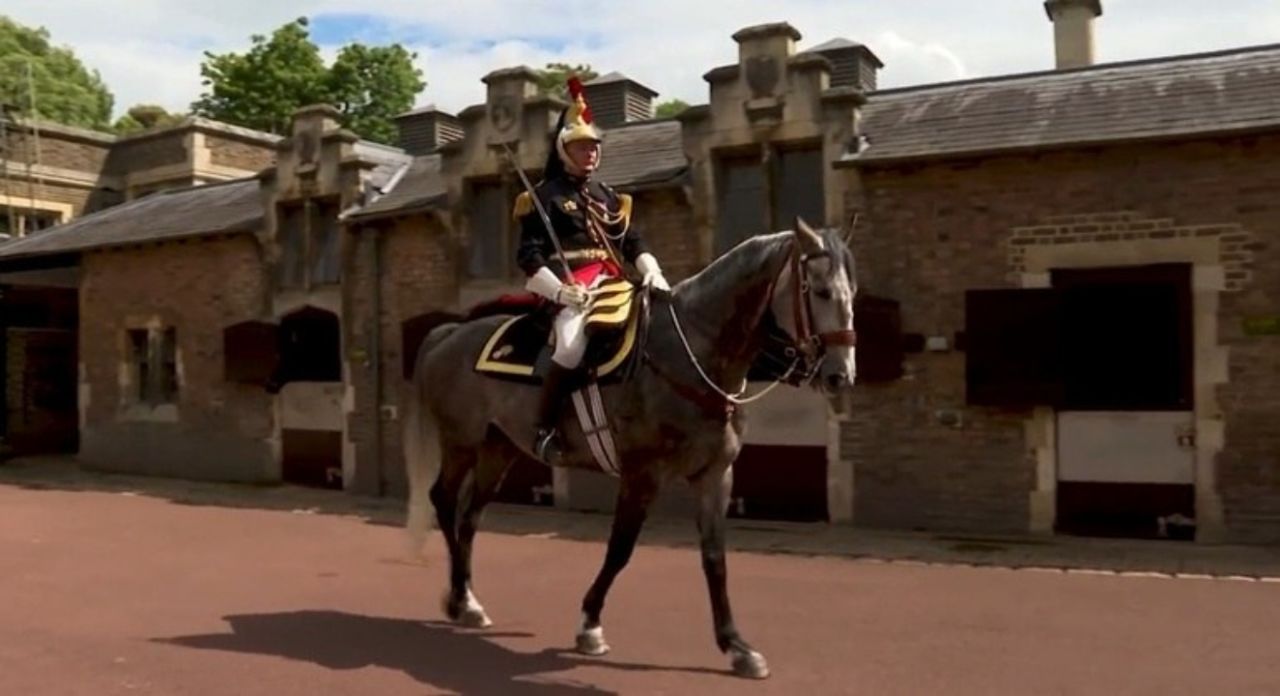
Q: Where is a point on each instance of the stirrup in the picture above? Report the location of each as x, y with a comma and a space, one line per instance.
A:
546, 444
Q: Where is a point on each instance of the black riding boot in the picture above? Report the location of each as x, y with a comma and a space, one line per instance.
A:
555, 389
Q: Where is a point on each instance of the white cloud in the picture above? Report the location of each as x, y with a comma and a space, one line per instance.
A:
915, 62
150, 50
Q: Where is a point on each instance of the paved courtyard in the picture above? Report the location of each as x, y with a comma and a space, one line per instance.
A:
114, 585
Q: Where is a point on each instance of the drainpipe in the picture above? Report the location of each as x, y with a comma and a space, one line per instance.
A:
376, 347
375, 340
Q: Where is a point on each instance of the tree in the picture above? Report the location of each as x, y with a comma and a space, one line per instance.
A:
144, 117
552, 79
670, 108
262, 88
65, 90
370, 86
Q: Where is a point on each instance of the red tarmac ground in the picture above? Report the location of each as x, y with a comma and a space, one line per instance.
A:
108, 593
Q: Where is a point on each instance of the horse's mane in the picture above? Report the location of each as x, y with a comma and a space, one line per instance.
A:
752, 252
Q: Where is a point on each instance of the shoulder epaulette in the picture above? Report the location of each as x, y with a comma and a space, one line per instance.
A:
624, 208
523, 206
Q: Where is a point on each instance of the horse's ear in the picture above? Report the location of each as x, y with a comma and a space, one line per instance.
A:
810, 241
848, 232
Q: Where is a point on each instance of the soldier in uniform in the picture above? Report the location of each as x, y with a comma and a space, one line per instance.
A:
593, 224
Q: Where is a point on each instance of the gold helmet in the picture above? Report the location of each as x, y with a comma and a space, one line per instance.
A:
579, 124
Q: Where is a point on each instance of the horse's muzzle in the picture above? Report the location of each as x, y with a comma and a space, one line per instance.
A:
836, 381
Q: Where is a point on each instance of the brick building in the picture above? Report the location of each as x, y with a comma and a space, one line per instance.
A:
1066, 321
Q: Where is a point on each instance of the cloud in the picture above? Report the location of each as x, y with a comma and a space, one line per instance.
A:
914, 62
154, 56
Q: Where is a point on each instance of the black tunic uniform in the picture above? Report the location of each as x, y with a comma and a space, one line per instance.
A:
592, 221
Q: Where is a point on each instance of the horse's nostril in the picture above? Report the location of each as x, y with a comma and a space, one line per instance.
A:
837, 380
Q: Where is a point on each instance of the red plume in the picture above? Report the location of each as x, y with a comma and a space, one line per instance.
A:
575, 94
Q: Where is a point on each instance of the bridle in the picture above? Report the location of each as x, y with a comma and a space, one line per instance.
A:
812, 345
795, 359
786, 359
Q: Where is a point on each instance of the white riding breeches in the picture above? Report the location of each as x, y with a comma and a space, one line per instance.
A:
570, 336
570, 333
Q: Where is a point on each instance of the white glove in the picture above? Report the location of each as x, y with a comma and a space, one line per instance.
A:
544, 283
648, 267
573, 295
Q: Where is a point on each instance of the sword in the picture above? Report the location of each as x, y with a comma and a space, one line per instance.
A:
542, 212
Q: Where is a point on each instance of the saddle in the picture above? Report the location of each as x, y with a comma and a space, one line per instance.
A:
520, 347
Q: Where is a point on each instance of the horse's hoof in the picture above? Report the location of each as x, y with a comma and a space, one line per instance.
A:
591, 641
472, 617
467, 613
750, 664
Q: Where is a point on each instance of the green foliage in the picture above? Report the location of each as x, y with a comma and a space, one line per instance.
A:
371, 85
262, 87
670, 108
65, 90
552, 79
144, 117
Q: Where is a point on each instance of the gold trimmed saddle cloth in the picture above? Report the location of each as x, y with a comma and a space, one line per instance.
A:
520, 344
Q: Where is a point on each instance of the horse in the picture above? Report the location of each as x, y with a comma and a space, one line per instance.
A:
679, 412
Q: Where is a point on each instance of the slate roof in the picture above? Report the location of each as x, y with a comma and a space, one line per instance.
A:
389, 160
614, 77
421, 187
225, 207
1203, 94
642, 153
635, 155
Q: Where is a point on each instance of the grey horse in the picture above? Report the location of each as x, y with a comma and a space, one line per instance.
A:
677, 417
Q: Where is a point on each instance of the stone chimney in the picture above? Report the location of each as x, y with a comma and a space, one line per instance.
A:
616, 99
425, 129
1073, 30
852, 64
506, 91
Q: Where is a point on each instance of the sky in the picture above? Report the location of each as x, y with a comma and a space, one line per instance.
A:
149, 51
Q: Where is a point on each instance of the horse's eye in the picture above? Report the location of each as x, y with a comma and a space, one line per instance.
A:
823, 294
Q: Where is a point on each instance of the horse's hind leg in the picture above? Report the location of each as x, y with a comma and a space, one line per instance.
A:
634, 498
461, 603
457, 470
713, 498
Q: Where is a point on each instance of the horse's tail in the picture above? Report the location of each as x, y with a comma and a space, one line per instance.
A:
422, 451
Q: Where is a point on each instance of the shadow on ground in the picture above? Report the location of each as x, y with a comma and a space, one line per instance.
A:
432, 653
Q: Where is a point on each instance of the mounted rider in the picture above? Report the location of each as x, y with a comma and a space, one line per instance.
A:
593, 227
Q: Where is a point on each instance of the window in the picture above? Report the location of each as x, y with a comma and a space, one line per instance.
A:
17, 221
292, 271
741, 201
492, 252
310, 347
754, 200
797, 189
326, 259
310, 241
153, 362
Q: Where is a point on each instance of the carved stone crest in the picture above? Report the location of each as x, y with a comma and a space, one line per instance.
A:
307, 146
762, 73
504, 112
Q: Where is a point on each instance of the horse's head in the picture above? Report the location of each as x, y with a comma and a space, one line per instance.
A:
813, 303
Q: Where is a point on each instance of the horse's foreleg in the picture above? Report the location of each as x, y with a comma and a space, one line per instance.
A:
461, 603
713, 499
634, 499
